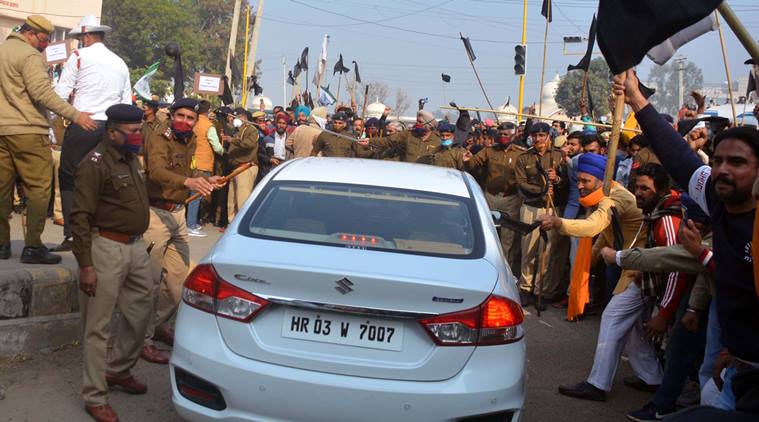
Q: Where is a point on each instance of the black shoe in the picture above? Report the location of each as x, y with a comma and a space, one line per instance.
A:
583, 390
525, 298
5, 251
650, 413
65, 246
39, 255
638, 384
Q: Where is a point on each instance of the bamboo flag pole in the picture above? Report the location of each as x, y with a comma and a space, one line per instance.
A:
740, 31
366, 99
545, 51
533, 116
727, 68
619, 109
339, 82
584, 94
245, 61
477, 75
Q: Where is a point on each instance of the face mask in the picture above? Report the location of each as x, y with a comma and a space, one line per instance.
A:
182, 130
446, 142
41, 45
133, 142
503, 140
419, 130
237, 123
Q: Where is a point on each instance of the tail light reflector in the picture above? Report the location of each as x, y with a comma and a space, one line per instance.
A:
498, 320
205, 290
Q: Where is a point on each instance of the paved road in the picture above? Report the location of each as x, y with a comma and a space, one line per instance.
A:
45, 387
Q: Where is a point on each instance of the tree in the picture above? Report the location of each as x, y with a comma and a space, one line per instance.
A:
665, 79
570, 89
402, 102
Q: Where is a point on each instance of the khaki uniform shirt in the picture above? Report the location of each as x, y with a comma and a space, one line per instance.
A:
531, 181
168, 163
243, 148
331, 145
500, 166
110, 195
26, 90
411, 148
149, 128
450, 157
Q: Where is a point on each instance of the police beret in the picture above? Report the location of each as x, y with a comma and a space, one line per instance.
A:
184, 103
40, 23
340, 116
372, 122
224, 110
446, 127
540, 127
124, 113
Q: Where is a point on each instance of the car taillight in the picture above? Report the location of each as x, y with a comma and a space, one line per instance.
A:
498, 320
205, 290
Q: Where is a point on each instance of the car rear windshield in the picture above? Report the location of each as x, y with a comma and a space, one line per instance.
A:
366, 217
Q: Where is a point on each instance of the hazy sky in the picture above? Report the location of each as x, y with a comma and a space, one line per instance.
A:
407, 44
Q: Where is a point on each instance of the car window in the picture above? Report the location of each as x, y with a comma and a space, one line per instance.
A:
365, 217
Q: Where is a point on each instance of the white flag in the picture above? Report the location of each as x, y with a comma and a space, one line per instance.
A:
664, 51
322, 62
325, 97
142, 86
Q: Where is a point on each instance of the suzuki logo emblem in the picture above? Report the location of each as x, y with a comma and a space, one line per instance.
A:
344, 286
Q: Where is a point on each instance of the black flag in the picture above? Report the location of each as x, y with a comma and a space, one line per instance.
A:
446, 78
547, 10
340, 67
627, 30
590, 98
290, 78
253, 84
304, 59
355, 69
236, 75
173, 50
468, 47
646, 91
585, 62
296, 69
226, 97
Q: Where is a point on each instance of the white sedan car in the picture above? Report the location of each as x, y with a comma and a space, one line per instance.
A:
353, 290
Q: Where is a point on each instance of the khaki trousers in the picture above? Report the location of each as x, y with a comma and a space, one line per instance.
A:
57, 210
240, 189
28, 158
530, 251
124, 281
511, 242
170, 260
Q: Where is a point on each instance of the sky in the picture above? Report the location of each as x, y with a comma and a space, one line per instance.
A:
407, 44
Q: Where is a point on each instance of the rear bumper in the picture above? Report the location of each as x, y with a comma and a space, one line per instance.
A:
492, 381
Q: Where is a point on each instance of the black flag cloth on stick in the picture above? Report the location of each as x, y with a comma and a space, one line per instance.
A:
226, 97
290, 78
304, 59
585, 62
627, 30
296, 70
355, 67
468, 47
446, 78
340, 67
547, 10
172, 50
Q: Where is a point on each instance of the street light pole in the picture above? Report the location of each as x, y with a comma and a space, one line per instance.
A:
521, 77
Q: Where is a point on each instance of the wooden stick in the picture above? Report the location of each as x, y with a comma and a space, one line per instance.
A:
224, 180
584, 94
532, 116
727, 69
366, 99
339, 81
543, 70
477, 75
611, 156
740, 31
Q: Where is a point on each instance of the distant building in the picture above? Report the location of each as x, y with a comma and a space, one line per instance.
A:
64, 14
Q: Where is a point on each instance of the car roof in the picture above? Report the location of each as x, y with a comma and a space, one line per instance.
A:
392, 174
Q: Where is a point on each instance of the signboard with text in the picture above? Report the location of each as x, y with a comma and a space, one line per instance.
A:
206, 83
57, 52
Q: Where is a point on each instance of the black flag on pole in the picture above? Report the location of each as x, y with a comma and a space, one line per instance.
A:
226, 97
304, 59
340, 67
585, 62
468, 47
290, 78
627, 30
547, 10
446, 78
173, 50
355, 69
296, 69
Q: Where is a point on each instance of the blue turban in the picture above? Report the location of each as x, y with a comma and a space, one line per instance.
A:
304, 109
446, 127
593, 164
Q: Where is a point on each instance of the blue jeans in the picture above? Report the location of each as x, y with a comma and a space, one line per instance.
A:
684, 348
713, 346
194, 207
726, 399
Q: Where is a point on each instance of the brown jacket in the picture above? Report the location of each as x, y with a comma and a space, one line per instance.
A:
26, 90
450, 157
243, 148
168, 163
500, 166
110, 195
531, 181
412, 149
331, 145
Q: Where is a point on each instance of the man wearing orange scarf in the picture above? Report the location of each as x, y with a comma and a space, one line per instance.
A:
621, 321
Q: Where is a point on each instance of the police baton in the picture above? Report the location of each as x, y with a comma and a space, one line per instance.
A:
224, 180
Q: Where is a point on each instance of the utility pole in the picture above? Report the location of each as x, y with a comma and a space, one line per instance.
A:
232, 42
521, 77
680, 86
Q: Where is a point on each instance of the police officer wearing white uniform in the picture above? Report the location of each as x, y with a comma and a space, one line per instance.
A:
96, 78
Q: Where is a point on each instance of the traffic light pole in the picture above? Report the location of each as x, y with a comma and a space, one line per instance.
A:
521, 77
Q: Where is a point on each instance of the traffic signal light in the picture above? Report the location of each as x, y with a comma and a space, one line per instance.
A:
519, 59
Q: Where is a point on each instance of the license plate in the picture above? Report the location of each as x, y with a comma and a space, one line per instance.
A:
348, 330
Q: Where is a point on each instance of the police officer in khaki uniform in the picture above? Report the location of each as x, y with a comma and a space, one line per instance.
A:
109, 216
243, 148
339, 143
448, 154
168, 154
540, 173
499, 162
414, 146
25, 94
150, 108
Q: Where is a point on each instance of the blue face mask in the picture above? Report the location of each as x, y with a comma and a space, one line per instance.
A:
446, 142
